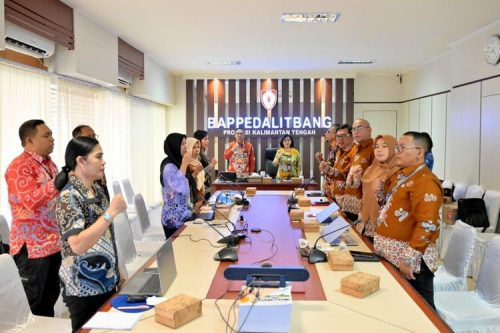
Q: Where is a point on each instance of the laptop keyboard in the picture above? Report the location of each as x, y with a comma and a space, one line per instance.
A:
152, 285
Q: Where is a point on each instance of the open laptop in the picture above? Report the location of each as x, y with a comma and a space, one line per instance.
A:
227, 176
154, 281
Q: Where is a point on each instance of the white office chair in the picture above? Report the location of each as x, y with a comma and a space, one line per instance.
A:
460, 191
153, 209
474, 191
452, 275
146, 230
479, 310
116, 187
4, 230
16, 315
447, 186
492, 202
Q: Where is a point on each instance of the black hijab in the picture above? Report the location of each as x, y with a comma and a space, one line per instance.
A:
172, 148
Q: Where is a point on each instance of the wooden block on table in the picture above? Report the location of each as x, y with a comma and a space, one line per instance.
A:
296, 180
310, 226
450, 213
340, 261
178, 311
304, 202
447, 200
360, 284
251, 191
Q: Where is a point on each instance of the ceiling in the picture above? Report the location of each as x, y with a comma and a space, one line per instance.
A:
397, 34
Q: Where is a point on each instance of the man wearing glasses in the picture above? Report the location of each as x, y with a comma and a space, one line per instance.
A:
240, 154
363, 158
408, 224
337, 173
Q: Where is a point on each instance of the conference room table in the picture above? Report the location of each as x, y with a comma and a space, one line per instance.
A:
318, 305
274, 185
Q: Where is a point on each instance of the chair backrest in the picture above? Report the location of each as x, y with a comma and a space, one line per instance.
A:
459, 252
488, 283
460, 191
129, 192
474, 191
269, 155
492, 202
142, 213
124, 239
4, 230
15, 308
447, 186
116, 187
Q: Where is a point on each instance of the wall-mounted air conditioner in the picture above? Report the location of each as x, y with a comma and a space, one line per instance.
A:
27, 42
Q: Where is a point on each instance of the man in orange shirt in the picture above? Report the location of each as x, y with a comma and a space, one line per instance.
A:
240, 154
408, 224
363, 158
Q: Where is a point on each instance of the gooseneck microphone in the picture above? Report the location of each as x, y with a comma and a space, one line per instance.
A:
316, 254
228, 253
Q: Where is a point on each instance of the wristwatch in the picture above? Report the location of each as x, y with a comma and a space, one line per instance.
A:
107, 217
408, 261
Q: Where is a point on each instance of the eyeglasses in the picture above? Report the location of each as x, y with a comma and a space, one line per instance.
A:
359, 128
342, 136
402, 148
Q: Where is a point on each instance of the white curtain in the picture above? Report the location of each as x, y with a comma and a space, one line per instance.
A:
130, 130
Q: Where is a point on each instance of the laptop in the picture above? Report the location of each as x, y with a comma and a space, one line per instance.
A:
227, 176
328, 214
154, 281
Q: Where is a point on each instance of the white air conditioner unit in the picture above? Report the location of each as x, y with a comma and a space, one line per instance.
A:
27, 42
124, 78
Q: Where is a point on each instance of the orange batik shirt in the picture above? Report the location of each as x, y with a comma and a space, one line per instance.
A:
364, 157
408, 224
338, 174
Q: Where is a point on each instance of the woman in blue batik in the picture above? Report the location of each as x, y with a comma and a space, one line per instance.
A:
89, 269
174, 176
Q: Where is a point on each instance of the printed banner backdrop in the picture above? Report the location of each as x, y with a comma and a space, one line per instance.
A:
304, 109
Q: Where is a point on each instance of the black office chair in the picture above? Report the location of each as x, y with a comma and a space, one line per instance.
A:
271, 169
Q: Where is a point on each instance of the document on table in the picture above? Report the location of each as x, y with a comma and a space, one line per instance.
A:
113, 321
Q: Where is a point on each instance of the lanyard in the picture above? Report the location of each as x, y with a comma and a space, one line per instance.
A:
44, 168
401, 182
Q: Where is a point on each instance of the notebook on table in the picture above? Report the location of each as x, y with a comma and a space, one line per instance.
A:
154, 281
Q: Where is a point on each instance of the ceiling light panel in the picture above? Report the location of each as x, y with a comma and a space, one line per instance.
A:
309, 17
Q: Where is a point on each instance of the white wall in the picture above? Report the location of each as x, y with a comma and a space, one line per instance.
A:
158, 84
176, 114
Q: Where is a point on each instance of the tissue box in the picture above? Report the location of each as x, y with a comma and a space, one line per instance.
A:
310, 226
178, 311
450, 213
296, 214
340, 261
299, 191
251, 191
267, 180
360, 284
304, 202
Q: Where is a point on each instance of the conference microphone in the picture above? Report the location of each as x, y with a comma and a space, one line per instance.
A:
316, 254
228, 253
231, 240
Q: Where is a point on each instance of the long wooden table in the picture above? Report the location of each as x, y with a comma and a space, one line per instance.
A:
318, 306
275, 185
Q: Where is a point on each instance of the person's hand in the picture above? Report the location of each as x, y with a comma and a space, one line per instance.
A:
324, 166
278, 155
117, 205
213, 162
359, 227
378, 187
318, 156
406, 271
197, 206
198, 168
354, 175
186, 158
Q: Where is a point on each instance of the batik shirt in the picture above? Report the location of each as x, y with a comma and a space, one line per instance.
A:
338, 174
96, 271
241, 157
408, 223
363, 156
175, 197
32, 198
289, 163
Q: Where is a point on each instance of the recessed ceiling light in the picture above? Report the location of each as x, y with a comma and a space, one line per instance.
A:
355, 62
309, 17
223, 63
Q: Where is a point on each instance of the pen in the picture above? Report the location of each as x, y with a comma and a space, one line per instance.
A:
133, 307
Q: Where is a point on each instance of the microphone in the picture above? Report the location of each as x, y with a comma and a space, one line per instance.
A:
316, 254
231, 240
292, 198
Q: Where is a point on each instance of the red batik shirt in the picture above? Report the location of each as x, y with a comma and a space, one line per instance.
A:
32, 198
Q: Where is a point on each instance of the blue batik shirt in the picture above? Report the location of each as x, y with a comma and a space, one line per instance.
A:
176, 203
96, 271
